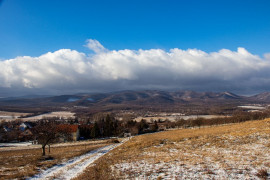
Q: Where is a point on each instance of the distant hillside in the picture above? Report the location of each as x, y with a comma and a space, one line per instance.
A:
148, 99
262, 97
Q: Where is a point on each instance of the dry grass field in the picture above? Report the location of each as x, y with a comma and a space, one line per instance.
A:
27, 162
235, 151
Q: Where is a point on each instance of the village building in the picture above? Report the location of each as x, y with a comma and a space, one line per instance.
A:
26, 125
69, 132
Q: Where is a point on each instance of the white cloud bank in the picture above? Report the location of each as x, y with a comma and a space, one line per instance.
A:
68, 71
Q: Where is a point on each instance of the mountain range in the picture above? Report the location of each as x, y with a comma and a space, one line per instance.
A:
149, 99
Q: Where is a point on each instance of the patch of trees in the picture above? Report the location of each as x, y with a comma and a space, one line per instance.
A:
106, 125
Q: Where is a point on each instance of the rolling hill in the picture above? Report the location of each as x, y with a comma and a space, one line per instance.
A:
148, 99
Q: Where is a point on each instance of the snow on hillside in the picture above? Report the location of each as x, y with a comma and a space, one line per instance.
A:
239, 151
239, 163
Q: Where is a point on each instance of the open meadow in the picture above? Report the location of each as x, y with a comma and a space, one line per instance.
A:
233, 151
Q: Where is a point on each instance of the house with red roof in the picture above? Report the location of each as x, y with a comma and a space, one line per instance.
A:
70, 132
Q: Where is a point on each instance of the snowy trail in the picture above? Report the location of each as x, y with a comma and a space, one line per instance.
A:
74, 167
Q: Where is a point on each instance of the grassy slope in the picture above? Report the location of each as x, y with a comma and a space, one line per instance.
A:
27, 162
234, 151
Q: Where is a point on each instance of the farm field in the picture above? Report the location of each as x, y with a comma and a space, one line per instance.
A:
235, 151
26, 161
9, 116
173, 118
5, 115
60, 114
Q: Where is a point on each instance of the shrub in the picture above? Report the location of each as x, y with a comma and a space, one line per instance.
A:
262, 173
115, 141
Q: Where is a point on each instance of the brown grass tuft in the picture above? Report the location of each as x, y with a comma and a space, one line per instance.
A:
262, 173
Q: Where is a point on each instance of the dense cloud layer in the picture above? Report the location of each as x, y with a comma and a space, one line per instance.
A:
70, 71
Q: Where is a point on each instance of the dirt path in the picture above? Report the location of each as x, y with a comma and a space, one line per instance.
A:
75, 166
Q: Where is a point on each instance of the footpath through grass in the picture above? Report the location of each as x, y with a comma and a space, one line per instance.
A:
28, 162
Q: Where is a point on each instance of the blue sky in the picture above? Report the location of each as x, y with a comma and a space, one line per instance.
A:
32, 27
56, 47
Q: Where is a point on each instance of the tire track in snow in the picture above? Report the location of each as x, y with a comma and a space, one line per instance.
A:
74, 167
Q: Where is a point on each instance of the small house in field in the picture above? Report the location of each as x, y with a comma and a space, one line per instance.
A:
127, 135
26, 125
23, 126
69, 132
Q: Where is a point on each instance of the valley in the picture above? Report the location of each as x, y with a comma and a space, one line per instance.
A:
180, 135
134, 90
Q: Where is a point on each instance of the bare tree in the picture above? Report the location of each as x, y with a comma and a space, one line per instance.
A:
46, 133
49, 132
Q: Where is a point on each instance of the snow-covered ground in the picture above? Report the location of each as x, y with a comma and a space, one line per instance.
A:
8, 116
29, 145
176, 117
252, 107
241, 163
60, 114
20, 144
74, 167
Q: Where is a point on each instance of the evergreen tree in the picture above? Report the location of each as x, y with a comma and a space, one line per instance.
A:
108, 126
155, 127
142, 126
95, 131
